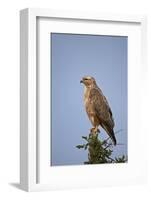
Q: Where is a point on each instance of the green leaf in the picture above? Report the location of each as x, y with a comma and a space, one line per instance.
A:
80, 146
85, 138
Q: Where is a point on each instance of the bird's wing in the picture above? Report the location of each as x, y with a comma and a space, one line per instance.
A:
101, 108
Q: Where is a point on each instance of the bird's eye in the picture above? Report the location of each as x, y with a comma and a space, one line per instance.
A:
86, 79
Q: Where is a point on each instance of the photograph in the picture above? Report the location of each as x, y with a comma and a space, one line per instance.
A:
89, 99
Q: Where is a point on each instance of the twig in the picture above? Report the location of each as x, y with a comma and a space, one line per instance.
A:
120, 144
110, 158
108, 146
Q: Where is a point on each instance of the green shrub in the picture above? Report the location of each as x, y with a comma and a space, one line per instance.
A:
99, 151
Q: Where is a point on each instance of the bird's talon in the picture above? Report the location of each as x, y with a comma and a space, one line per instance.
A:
94, 131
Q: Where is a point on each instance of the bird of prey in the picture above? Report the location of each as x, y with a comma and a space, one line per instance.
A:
97, 108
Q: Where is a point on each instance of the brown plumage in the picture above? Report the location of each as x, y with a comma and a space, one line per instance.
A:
97, 108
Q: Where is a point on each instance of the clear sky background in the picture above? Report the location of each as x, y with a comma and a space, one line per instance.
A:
75, 56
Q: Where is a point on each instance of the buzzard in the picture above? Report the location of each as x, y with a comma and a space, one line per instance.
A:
97, 108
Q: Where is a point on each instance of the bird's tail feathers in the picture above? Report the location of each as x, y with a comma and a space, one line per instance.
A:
111, 134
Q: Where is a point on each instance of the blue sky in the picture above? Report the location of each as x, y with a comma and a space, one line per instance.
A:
74, 56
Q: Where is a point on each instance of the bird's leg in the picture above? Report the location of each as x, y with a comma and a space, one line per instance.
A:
92, 130
95, 130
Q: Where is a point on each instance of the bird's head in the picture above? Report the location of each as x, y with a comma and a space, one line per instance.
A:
88, 81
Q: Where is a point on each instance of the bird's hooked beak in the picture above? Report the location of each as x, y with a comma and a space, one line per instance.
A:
81, 81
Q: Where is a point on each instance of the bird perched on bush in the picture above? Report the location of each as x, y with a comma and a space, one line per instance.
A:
97, 108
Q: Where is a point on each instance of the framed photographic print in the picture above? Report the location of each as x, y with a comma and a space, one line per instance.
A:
81, 80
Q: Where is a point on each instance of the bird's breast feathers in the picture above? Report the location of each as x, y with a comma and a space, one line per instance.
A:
87, 101
86, 95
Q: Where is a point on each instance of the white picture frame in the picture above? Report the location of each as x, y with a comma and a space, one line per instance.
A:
34, 171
